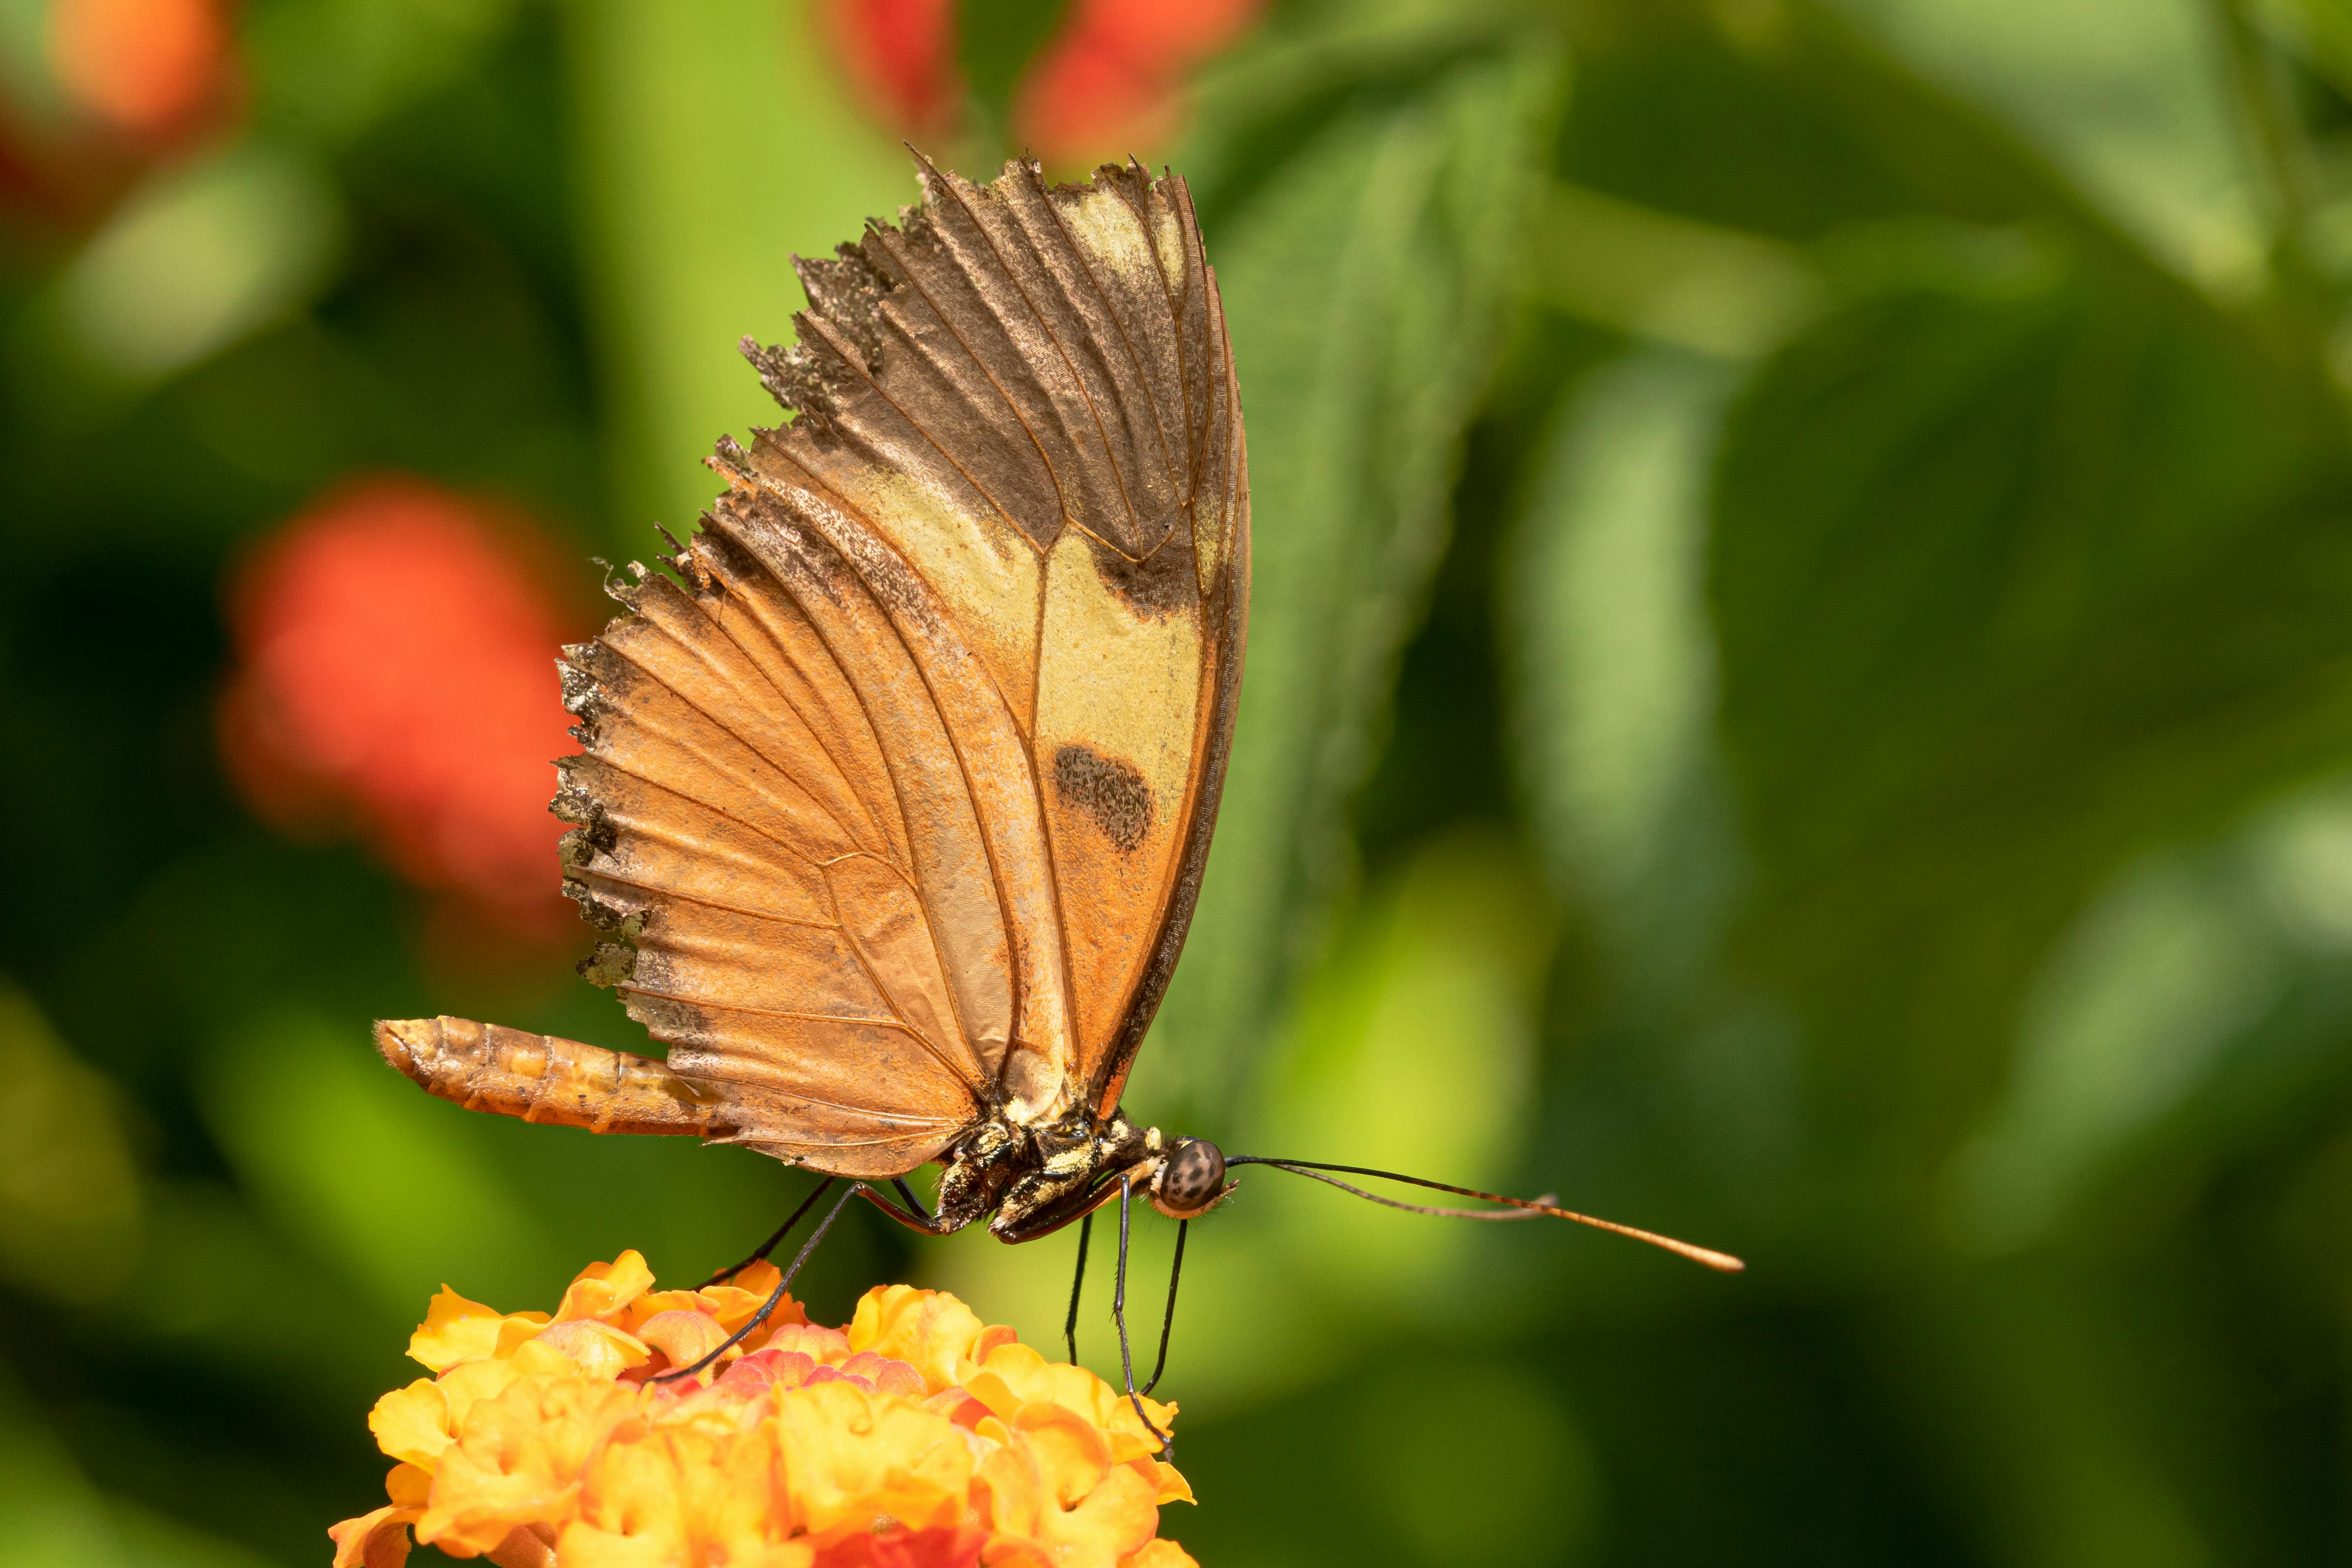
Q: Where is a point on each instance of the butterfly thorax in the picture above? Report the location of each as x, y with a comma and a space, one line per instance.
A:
1036, 1179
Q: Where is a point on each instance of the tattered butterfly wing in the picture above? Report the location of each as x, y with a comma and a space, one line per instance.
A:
761, 876
897, 804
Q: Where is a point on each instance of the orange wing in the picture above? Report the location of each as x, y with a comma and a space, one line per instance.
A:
896, 802
773, 822
1026, 393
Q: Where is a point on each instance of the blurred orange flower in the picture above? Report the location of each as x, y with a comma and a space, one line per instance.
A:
913, 1438
150, 69
397, 665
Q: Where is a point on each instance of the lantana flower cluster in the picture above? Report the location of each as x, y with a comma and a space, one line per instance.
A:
914, 1437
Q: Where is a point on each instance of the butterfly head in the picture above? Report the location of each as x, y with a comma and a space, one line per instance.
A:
1190, 1179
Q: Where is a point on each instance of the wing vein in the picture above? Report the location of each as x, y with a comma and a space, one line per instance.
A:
746, 742
915, 281
892, 1022
944, 959
1102, 434
1181, 341
721, 812
919, 428
875, 1112
963, 764
785, 697
1142, 380
675, 894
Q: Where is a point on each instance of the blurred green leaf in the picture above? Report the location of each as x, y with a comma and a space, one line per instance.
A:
326, 70
1791, 119
1411, 1046
51, 1517
2201, 990
2320, 31
1365, 281
26, 74
375, 1181
1652, 275
1672, 112
2066, 1420
2140, 998
201, 255
223, 1292
1674, 1078
2131, 101
1612, 659
148, 1539
1958, 533
70, 1200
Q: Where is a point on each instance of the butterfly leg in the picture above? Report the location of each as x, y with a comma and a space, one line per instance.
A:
776, 1297
929, 1224
770, 1244
915, 1217
1118, 1316
1077, 1286
1168, 1321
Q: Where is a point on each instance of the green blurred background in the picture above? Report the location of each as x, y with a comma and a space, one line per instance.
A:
1800, 695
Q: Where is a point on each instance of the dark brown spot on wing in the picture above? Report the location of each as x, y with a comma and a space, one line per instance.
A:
1113, 792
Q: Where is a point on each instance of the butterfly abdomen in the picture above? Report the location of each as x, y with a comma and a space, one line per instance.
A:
541, 1078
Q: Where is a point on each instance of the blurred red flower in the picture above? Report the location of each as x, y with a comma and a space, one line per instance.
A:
1110, 82
901, 54
396, 646
150, 69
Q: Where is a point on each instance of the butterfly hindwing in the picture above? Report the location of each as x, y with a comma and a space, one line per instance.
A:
753, 940
957, 761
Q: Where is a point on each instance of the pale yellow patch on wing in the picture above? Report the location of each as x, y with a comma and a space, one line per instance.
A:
1167, 239
1118, 695
1212, 541
985, 571
1108, 230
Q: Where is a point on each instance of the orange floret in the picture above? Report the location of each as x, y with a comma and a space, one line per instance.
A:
917, 1437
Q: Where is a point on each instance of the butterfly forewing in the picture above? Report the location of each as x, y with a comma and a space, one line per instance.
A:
1032, 390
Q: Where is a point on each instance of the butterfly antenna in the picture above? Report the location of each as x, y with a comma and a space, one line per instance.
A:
1528, 1207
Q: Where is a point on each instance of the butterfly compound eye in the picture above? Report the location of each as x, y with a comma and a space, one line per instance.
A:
1191, 1180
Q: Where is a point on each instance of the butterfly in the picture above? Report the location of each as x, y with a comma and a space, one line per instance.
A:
896, 790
